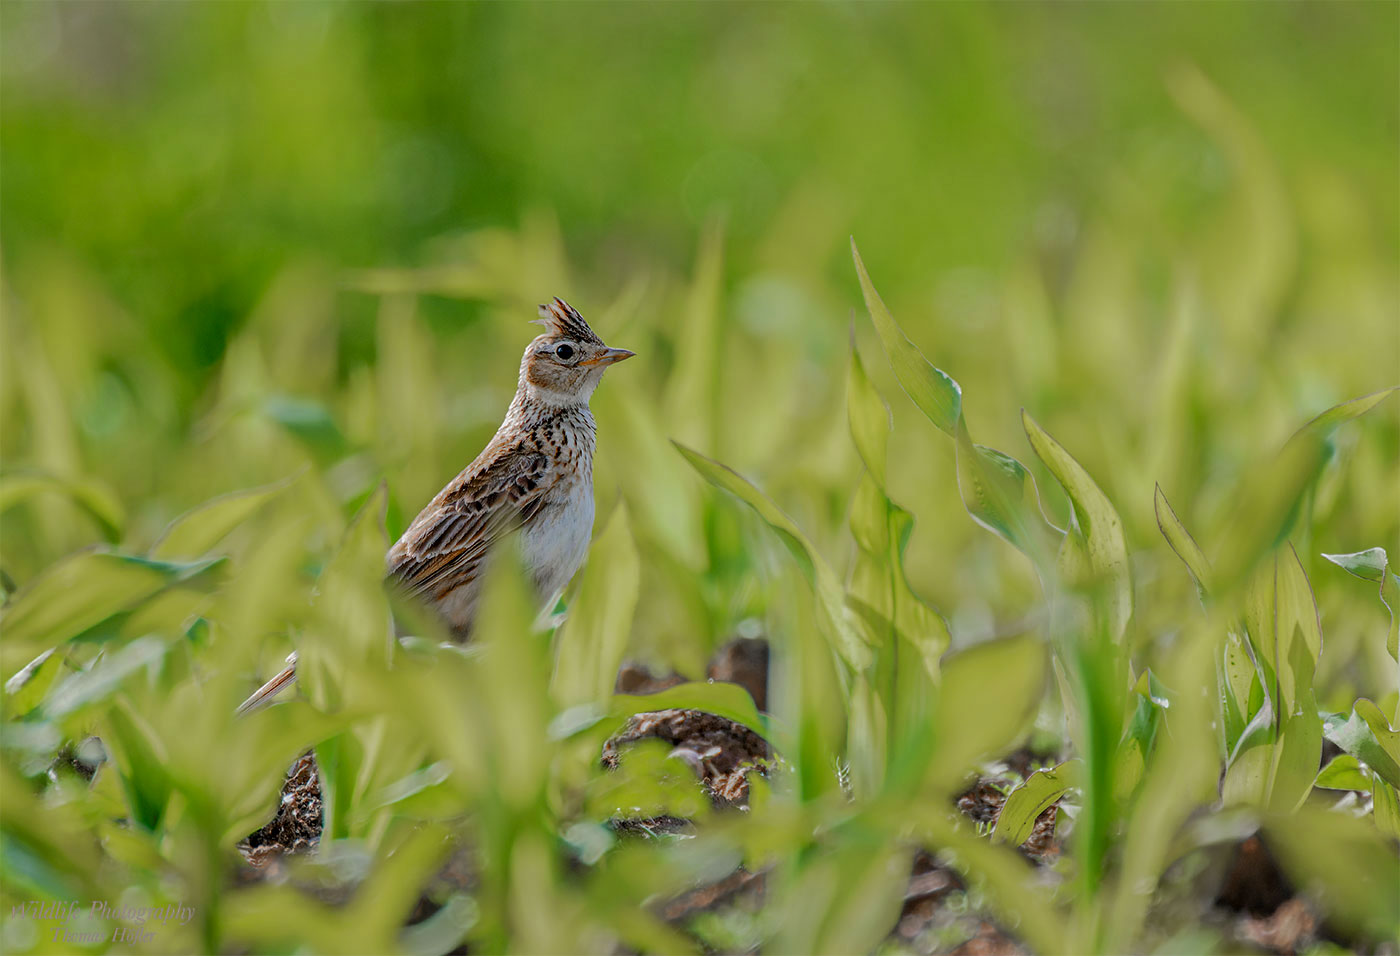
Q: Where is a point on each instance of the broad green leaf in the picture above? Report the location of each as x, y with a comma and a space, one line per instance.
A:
999, 494
990, 692
1368, 565
142, 760
1235, 679
1093, 553
931, 389
415, 783
868, 899
1147, 702
1386, 804
868, 417
594, 636
1269, 505
1181, 542
1297, 631
1295, 757
721, 698
867, 737
1279, 610
870, 522
309, 421
351, 612
1373, 565
996, 489
104, 677
1367, 736
1285, 633
818, 573
1028, 801
197, 531
94, 497
1388, 739
27, 687
78, 593
1344, 772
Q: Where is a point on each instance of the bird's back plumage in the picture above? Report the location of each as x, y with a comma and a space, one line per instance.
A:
536, 474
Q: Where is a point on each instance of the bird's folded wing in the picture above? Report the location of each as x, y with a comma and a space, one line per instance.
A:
446, 544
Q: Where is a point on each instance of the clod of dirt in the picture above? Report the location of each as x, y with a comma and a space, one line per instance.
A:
297, 824
744, 661
722, 752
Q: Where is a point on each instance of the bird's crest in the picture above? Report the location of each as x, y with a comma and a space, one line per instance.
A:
563, 320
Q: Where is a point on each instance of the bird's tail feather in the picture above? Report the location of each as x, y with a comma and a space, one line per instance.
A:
264, 694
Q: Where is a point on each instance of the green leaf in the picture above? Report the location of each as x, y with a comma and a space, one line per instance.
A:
996, 489
1367, 736
1346, 411
868, 417
416, 782
141, 759
1181, 542
1000, 495
1028, 801
92, 496
27, 688
1286, 636
930, 388
722, 698
197, 531
1269, 508
869, 885
819, 574
1297, 631
1386, 806
990, 692
1373, 565
1368, 565
104, 677
1344, 772
309, 422
594, 637
1093, 554
78, 593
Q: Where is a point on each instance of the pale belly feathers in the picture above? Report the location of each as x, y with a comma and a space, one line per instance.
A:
556, 542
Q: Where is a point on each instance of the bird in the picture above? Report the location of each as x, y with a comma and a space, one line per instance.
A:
535, 476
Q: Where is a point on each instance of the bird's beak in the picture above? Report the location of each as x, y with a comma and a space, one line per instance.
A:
609, 357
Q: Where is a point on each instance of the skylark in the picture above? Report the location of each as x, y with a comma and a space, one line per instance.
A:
534, 476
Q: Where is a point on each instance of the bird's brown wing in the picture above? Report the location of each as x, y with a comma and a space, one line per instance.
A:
444, 547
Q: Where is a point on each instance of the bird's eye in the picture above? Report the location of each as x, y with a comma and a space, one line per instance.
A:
565, 352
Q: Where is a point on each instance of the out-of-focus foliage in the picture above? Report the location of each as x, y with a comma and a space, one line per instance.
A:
265, 274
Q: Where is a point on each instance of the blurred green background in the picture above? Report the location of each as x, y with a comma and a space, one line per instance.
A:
247, 241
1170, 231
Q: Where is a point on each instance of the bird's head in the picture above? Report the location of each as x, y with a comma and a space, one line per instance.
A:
564, 365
